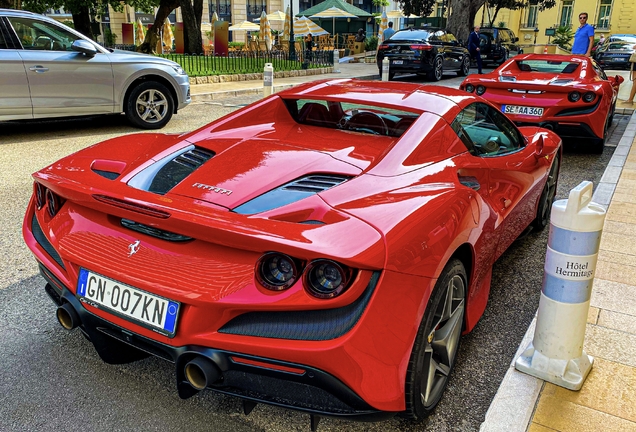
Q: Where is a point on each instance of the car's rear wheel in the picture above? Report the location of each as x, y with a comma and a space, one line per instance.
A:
544, 209
598, 144
465, 69
437, 72
149, 105
437, 342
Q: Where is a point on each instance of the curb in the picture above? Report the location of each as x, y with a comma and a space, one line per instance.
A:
512, 408
257, 88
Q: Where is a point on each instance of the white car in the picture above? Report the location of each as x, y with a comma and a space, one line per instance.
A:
49, 70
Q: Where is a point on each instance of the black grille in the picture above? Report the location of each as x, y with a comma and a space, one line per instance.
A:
312, 325
154, 232
44, 242
315, 183
179, 168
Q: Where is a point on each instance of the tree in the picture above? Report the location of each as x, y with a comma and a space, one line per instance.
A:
417, 7
152, 35
11, 4
85, 11
518, 4
562, 37
191, 11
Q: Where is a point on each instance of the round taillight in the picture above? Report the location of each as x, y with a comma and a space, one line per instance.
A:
326, 279
480, 90
470, 88
574, 96
276, 271
589, 97
40, 195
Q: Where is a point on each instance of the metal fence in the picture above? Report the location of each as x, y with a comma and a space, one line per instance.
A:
251, 62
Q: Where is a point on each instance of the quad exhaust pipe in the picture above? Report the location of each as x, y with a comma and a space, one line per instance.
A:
67, 316
201, 372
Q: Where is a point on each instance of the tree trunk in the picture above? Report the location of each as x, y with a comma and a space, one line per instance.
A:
192, 31
461, 19
149, 46
10, 4
494, 16
82, 22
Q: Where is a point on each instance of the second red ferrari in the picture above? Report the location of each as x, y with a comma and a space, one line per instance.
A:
570, 95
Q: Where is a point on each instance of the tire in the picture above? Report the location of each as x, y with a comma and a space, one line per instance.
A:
438, 70
465, 69
149, 105
598, 144
544, 209
437, 342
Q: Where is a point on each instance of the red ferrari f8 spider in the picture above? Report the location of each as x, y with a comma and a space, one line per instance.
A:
568, 94
322, 249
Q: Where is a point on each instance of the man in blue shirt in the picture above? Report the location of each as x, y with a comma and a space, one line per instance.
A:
473, 47
388, 32
584, 37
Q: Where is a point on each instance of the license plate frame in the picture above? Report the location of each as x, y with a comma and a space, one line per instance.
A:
99, 291
522, 110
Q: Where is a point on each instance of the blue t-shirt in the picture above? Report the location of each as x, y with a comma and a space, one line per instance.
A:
582, 39
387, 33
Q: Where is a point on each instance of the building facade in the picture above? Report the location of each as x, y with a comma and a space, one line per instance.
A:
607, 16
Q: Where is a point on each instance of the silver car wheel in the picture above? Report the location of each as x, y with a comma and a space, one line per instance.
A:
442, 342
152, 106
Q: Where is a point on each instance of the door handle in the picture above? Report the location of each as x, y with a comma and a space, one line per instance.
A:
38, 69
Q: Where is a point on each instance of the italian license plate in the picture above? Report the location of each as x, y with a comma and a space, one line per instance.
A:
148, 310
484, 56
619, 59
397, 62
523, 110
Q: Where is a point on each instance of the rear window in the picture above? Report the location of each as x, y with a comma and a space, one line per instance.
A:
351, 116
547, 66
620, 47
411, 35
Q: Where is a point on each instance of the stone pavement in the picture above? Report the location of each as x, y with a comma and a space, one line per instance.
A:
607, 400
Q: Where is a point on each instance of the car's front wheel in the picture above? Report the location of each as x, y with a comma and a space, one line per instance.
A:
437, 342
149, 105
437, 72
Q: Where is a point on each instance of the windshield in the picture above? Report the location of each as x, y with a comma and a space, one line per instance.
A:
351, 116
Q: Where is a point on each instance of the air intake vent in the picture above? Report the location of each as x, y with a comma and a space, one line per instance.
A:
291, 192
174, 171
315, 183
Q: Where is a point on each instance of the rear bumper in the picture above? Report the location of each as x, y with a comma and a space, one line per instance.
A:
256, 379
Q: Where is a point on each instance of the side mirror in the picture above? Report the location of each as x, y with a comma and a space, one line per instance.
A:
618, 79
84, 47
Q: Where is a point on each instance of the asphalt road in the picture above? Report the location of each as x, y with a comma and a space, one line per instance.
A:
52, 380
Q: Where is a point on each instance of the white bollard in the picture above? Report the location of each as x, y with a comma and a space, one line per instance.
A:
385, 69
268, 79
336, 61
556, 351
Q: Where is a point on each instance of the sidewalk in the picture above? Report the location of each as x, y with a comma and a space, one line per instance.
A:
607, 401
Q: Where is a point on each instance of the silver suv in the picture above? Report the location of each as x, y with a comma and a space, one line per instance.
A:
49, 70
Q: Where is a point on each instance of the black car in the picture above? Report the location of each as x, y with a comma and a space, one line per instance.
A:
496, 43
614, 55
426, 51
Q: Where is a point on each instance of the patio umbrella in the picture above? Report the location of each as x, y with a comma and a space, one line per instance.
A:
304, 25
245, 26
265, 31
140, 35
333, 13
277, 16
285, 35
167, 36
384, 24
